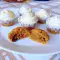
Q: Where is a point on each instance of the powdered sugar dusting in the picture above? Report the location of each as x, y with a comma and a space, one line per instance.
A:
54, 22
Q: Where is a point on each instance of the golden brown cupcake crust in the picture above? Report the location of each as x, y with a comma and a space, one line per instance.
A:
53, 31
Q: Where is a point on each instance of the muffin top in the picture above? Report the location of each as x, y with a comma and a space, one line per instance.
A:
6, 15
27, 17
53, 22
42, 14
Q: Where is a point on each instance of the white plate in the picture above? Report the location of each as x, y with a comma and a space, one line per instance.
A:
26, 45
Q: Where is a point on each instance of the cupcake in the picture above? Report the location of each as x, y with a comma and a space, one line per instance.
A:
27, 18
42, 15
7, 18
53, 24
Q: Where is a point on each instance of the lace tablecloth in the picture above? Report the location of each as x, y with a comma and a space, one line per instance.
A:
6, 55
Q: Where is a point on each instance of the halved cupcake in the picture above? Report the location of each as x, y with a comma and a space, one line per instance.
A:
7, 18
53, 24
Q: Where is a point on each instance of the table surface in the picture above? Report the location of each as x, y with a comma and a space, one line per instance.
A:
53, 5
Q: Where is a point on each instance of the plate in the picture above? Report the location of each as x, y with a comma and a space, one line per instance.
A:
26, 45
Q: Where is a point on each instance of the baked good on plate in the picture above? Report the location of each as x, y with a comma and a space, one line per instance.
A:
53, 24
39, 35
7, 18
42, 15
18, 33
27, 18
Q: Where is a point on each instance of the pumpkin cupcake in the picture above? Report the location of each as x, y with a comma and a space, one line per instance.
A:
42, 15
27, 18
7, 18
53, 24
